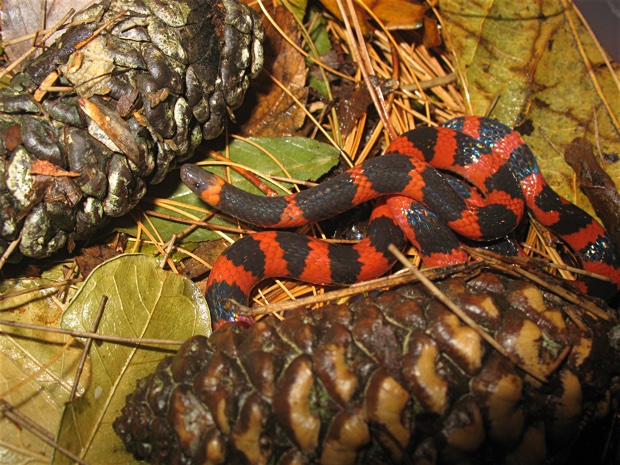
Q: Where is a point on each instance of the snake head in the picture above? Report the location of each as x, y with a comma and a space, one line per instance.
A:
204, 184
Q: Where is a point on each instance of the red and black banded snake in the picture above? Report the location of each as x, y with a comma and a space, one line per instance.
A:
486, 153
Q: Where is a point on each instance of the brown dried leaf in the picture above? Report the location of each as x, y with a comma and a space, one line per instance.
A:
353, 102
113, 126
432, 35
596, 184
45, 168
92, 256
13, 137
274, 113
207, 251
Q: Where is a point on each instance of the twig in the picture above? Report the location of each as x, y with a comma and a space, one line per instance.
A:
535, 261
89, 343
459, 68
354, 289
100, 29
365, 66
248, 175
41, 369
344, 155
229, 163
588, 65
298, 48
201, 223
10, 295
96, 336
53, 29
192, 227
168, 249
157, 242
578, 300
29, 453
298, 182
10, 249
438, 81
25, 422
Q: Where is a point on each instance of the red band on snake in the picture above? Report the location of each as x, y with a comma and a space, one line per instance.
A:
433, 211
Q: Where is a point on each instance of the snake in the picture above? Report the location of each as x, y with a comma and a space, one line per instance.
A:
470, 179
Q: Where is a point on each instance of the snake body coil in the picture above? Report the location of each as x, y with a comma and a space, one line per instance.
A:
487, 154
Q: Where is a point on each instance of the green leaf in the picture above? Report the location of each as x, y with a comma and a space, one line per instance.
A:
318, 33
303, 158
319, 85
322, 44
144, 302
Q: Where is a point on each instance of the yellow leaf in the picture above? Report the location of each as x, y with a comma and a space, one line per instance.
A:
541, 66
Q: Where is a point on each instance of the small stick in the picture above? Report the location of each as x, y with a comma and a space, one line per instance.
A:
24, 38
96, 336
251, 177
540, 262
10, 295
292, 181
9, 250
576, 299
438, 81
25, 422
89, 343
359, 288
169, 247
214, 227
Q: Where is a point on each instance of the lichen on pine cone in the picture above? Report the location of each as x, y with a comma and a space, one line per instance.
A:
136, 88
395, 378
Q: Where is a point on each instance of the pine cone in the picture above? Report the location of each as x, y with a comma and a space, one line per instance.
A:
145, 90
396, 378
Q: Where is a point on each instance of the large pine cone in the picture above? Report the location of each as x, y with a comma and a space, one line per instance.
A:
160, 77
396, 378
